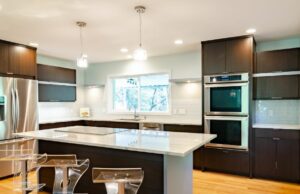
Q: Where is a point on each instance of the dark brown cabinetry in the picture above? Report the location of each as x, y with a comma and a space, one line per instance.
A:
56, 74
276, 87
277, 61
224, 160
17, 60
232, 55
183, 128
277, 154
53, 92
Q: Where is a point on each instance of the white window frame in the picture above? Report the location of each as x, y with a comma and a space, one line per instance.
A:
110, 95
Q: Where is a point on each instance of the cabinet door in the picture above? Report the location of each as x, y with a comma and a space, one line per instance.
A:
280, 60
288, 163
277, 87
239, 55
3, 58
14, 58
28, 65
214, 57
265, 157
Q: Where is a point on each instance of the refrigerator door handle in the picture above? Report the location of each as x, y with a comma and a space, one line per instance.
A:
17, 105
13, 110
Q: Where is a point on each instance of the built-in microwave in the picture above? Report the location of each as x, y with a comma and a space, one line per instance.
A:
231, 131
226, 94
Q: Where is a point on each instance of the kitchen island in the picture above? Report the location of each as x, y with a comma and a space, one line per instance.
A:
165, 157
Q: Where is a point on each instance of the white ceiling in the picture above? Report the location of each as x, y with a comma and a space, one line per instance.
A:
113, 24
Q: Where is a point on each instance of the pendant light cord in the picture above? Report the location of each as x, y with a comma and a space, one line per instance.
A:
140, 17
81, 42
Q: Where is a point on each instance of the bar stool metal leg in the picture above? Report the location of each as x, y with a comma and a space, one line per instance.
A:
68, 171
118, 180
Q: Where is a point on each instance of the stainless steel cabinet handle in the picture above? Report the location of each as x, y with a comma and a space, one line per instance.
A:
276, 138
17, 108
275, 97
13, 110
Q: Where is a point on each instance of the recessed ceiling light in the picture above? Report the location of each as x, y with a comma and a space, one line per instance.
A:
178, 42
251, 31
34, 44
124, 50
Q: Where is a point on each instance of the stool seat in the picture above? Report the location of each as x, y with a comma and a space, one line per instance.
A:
68, 171
119, 180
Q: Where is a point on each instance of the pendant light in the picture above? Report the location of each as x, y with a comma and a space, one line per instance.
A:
82, 61
140, 54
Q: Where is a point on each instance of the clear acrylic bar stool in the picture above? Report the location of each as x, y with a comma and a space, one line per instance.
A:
68, 171
119, 180
24, 162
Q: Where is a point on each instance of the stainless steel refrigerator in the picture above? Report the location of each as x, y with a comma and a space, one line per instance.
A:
18, 113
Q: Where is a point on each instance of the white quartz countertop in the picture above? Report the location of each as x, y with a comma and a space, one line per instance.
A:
276, 126
157, 142
163, 120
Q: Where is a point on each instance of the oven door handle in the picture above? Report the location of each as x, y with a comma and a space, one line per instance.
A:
225, 85
226, 118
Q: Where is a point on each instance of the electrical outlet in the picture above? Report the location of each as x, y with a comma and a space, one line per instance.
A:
181, 111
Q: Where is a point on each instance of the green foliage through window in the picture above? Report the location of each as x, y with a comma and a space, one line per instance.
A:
145, 93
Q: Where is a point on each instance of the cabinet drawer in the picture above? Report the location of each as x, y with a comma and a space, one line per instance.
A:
278, 133
229, 161
184, 128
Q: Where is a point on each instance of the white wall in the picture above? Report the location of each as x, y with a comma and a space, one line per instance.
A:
184, 96
60, 110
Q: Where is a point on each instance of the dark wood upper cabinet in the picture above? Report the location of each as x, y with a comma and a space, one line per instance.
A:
239, 55
56, 74
277, 87
231, 55
214, 59
277, 154
278, 60
3, 58
17, 60
53, 92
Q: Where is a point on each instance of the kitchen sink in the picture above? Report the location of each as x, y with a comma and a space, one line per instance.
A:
138, 119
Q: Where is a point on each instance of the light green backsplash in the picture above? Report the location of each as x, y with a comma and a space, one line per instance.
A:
278, 44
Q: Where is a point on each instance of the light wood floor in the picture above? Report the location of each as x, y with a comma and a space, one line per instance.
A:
209, 183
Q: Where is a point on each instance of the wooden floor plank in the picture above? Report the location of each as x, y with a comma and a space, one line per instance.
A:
207, 183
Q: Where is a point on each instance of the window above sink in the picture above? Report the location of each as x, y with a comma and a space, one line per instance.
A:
145, 94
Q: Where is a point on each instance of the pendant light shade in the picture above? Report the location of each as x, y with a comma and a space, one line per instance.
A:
82, 61
140, 54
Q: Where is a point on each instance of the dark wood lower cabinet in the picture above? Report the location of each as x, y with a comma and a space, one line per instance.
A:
126, 125
277, 154
224, 160
183, 128
61, 124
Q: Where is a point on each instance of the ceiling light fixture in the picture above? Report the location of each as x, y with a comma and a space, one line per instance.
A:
251, 31
140, 54
34, 44
82, 61
178, 42
124, 50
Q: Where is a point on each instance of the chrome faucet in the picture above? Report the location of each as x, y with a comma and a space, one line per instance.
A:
136, 116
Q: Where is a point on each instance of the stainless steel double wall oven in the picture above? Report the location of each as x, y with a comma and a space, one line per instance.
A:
226, 108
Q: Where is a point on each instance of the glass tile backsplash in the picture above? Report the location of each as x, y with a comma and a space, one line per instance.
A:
277, 112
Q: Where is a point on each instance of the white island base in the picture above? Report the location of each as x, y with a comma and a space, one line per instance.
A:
178, 174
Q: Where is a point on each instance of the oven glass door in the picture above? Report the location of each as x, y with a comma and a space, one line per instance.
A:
228, 132
226, 99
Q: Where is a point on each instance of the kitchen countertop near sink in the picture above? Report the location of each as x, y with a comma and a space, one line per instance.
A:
175, 120
276, 126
